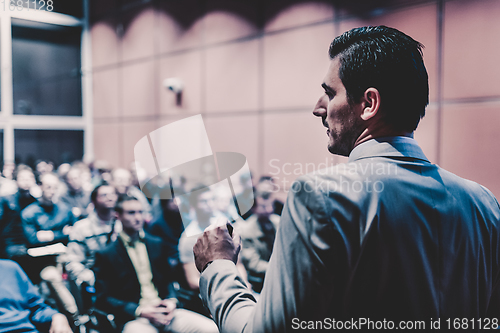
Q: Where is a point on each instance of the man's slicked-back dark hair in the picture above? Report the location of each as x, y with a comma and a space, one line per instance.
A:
390, 61
121, 199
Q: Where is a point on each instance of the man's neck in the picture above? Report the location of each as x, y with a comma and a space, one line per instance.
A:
45, 202
74, 192
24, 193
133, 235
378, 131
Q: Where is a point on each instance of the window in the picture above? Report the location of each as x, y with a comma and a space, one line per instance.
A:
45, 100
58, 146
46, 69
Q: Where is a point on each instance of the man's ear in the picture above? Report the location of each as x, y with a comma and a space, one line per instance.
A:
371, 103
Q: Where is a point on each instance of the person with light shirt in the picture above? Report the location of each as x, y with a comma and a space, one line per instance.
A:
92, 234
134, 280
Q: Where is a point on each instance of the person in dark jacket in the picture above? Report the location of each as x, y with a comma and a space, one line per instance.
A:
11, 231
45, 222
134, 280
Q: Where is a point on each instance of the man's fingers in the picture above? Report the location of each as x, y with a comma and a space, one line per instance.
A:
217, 242
170, 316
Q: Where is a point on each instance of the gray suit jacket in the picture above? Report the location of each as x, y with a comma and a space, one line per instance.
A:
386, 235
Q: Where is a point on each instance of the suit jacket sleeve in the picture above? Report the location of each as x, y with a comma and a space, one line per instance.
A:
299, 273
103, 279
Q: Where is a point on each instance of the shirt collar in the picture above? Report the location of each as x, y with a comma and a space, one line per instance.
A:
128, 241
390, 146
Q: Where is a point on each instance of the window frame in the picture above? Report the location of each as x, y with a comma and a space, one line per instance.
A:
10, 121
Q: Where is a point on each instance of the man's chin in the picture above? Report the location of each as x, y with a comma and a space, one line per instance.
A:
338, 150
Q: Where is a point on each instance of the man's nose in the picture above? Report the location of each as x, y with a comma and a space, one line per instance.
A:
320, 108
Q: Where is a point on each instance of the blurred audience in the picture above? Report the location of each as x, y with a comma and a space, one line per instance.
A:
8, 170
224, 203
266, 188
92, 234
257, 235
45, 222
21, 307
7, 184
134, 262
122, 180
168, 224
76, 197
245, 196
134, 280
12, 239
100, 172
43, 167
201, 200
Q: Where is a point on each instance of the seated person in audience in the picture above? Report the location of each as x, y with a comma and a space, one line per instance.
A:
45, 222
7, 183
202, 202
246, 195
257, 235
76, 198
224, 203
100, 171
42, 167
133, 280
122, 180
92, 234
21, 307
11, 230
267, 187
168, 224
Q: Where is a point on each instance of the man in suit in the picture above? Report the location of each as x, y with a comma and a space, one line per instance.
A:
134, 280
388, 236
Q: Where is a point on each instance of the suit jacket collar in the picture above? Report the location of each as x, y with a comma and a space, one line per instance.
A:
126, 239
122, 254
391, 146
